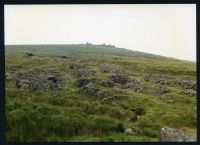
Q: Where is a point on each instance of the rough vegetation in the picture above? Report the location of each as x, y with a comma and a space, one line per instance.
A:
69, 96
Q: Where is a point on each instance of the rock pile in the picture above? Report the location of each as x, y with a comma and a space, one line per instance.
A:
137, 87
37, 81
170, 81
162, 92
158, 79
186, 84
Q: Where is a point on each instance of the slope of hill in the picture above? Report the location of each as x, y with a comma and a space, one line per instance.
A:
80, 48
88, 96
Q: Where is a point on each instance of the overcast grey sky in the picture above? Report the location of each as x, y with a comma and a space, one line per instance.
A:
168, 30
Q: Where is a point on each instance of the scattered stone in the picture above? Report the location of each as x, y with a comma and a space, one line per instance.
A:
168, 134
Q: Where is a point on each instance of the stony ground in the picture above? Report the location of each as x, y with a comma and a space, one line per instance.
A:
97, 98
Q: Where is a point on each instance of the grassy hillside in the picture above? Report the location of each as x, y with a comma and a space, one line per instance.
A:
88, 96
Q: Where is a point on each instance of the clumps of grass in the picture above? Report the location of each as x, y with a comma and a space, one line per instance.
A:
35, 122
105, 125
177, 121
149, 128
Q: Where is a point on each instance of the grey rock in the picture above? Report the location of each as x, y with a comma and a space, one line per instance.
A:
168, 134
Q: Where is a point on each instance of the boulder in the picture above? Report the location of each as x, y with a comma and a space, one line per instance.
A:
168, 134
128, 130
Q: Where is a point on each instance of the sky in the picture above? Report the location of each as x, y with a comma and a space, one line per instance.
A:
167, 30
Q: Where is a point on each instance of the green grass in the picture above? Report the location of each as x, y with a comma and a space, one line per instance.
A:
72, 116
